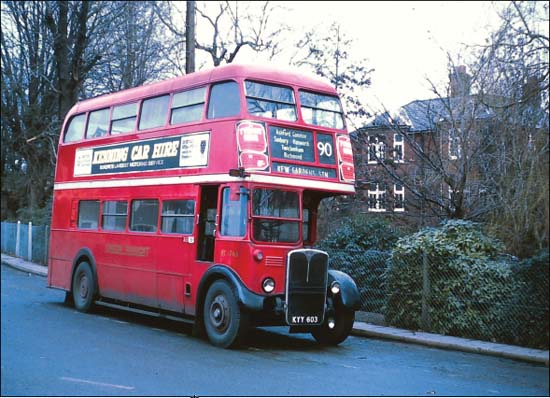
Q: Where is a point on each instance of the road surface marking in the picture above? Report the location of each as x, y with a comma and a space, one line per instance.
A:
97, 383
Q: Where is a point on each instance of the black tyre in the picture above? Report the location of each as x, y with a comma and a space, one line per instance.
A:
69, 298
83, 287
224, 321
344, 319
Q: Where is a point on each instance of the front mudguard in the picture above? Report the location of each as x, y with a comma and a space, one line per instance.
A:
349, 294
248, 299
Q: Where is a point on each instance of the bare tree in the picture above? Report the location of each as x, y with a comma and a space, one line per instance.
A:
326, 52
478, 150
514, 80
190, 36
227, 28
134, 51
47, 52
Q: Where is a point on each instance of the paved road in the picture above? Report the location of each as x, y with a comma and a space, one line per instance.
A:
50, 349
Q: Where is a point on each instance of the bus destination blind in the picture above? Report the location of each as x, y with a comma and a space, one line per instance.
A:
298, 146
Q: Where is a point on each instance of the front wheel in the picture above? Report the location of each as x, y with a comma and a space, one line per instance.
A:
224, 320
83, 287
343, 323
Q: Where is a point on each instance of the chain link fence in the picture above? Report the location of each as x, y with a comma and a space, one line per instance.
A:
503, 300
26, 241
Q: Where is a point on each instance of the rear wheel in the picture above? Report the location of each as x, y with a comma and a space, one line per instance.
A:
343, 323
224, 321
83, 287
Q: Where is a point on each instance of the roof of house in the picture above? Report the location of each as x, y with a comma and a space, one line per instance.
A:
424, 115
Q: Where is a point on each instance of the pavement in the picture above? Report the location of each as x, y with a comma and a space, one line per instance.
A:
366, 329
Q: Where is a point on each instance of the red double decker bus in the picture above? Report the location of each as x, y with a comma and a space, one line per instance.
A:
197, 197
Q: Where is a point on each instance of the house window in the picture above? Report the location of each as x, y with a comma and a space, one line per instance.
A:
399, 197
377, 150
377, 198
398, 148
454, 145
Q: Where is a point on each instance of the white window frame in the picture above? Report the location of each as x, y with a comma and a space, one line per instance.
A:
378, 196
379, 150
454, 142
398, 144
400, 192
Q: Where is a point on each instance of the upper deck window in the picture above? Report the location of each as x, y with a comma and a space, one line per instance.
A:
321, 110
124, 118
154, 112
98, 123
224, 100
75, 131
267, 100
188, 106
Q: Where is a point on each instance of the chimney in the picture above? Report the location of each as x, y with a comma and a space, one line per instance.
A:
459, 81
531, 92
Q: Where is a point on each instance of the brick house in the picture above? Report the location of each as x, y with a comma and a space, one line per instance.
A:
414, 163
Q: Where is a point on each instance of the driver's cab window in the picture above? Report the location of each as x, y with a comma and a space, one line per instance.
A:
233, 213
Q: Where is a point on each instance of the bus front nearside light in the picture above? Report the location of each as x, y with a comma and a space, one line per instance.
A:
268, 285
335, 288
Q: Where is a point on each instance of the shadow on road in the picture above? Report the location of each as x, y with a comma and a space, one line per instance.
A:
264, 338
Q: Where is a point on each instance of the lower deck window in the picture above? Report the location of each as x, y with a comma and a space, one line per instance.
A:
114, 215
178, 216
144, 215
88, 214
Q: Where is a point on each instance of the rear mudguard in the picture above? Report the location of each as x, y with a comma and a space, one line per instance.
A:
349, 293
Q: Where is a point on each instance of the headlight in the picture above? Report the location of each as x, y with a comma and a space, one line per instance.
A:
268, 285
335, 288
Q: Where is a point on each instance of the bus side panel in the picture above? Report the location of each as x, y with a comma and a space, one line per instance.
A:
128, 267
175, 254
59, 274
64, 246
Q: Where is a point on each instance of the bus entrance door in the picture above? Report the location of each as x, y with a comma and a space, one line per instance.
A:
207, 223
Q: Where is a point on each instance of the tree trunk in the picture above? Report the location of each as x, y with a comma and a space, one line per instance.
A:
190, 37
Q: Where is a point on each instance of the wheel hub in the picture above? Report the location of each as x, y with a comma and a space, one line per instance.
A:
83, 288
219, 313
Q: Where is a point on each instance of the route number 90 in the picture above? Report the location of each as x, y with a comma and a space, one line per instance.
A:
324, 148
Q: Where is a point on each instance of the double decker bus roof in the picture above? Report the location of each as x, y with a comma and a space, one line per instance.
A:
196, 79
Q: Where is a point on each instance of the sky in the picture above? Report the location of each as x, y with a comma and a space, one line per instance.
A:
405, 42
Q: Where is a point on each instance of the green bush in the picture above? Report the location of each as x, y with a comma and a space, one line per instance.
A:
359, 247
466, 280
361, 233
525, 320
367, 268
